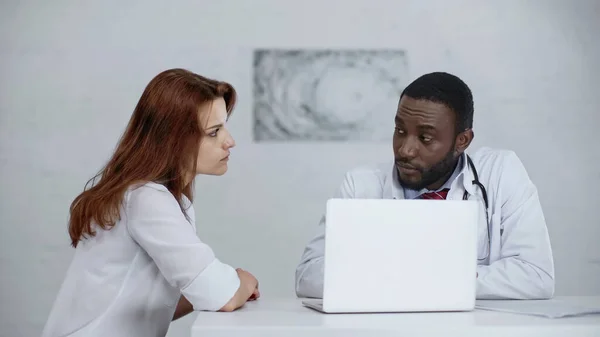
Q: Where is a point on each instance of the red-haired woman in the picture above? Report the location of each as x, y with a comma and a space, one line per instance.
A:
138, 262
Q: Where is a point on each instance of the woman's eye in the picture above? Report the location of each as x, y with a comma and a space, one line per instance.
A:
214, 133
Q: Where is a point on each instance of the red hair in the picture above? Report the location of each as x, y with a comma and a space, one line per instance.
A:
160, 144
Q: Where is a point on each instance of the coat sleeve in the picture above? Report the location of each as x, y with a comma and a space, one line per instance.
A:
525, 269
309, 272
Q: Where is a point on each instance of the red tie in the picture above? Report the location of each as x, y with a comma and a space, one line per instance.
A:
441, 195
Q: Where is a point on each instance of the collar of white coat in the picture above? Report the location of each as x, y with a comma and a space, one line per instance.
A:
393, 190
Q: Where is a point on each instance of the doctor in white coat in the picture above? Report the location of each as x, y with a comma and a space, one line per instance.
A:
433, 128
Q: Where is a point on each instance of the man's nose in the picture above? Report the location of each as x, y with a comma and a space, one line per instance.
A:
408, 148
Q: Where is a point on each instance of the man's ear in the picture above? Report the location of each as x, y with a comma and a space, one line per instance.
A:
463, 140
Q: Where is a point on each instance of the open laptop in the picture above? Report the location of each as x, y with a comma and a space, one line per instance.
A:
385, 255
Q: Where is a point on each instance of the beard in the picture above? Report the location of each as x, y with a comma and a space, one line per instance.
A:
429, 175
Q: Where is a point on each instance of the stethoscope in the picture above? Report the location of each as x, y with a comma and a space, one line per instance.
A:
477, 183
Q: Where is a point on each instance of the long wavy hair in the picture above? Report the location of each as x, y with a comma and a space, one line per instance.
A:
160, 144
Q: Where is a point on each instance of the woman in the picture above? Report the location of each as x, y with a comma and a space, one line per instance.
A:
138, 262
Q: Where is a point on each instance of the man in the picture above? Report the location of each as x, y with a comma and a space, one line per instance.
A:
433, 128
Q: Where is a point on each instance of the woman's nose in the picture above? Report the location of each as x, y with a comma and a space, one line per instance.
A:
229, 142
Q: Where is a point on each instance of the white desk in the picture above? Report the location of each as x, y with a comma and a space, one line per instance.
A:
287, 317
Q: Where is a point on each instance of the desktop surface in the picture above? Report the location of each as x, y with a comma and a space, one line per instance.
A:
288, 317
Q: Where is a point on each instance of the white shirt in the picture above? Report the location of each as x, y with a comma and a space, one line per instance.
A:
518, 264
127, 281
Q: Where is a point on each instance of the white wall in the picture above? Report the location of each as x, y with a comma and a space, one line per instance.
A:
72, 71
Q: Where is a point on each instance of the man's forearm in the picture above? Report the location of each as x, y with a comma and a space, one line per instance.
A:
511, 278
183, 308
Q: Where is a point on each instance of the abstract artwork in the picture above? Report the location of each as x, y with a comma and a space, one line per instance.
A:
327, 95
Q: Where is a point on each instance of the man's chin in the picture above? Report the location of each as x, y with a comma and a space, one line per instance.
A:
413, 183
412, 186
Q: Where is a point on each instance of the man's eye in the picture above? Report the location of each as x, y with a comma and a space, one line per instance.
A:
426, 139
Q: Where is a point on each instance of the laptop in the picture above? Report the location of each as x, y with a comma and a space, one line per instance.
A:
386, 255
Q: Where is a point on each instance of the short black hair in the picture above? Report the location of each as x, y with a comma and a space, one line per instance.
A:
447, 89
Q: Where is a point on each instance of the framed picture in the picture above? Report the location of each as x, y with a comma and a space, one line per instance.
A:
326, 95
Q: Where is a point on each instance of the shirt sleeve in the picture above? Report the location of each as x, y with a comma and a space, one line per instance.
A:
155, 221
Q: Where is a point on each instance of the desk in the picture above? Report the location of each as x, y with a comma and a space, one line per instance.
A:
287, 317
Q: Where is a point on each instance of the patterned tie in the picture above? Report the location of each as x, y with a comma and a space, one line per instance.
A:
441, 195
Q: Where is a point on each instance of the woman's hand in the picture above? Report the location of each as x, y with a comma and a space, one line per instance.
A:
248, 291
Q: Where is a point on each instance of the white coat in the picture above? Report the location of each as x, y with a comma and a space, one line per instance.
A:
519, 264
127, 281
